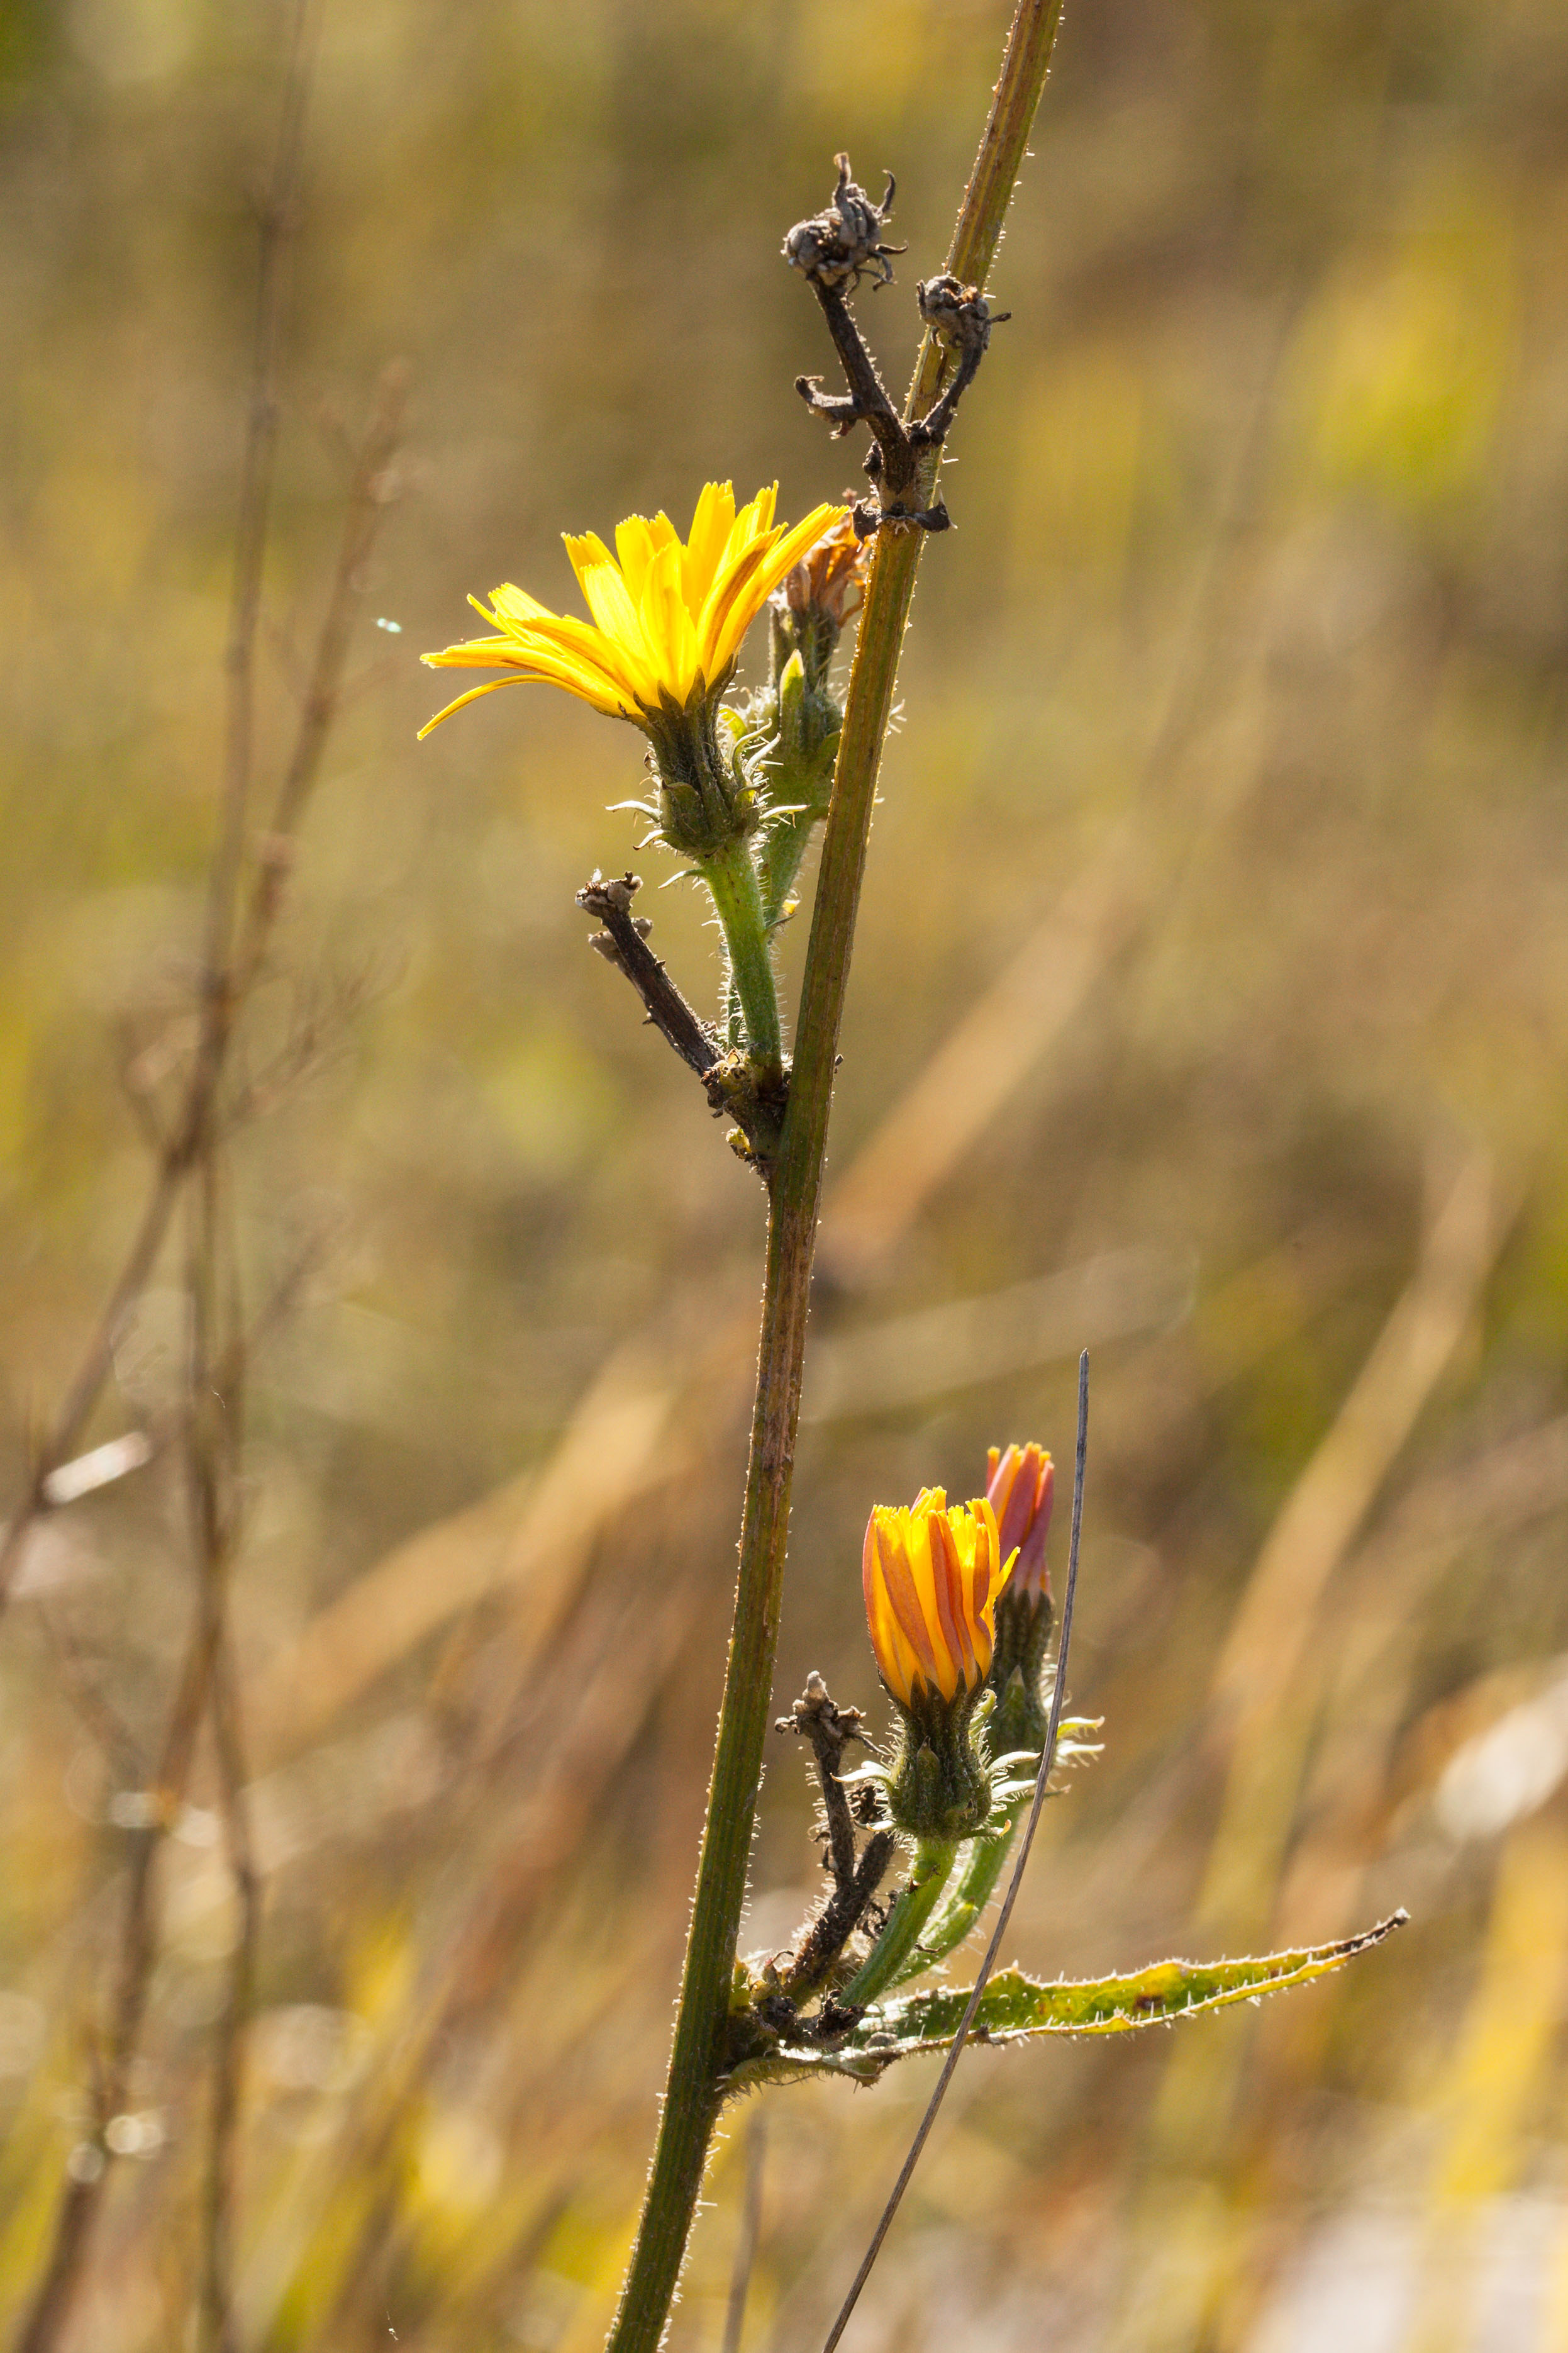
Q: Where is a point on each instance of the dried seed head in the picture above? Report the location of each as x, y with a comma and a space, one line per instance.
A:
958, 315
837, 245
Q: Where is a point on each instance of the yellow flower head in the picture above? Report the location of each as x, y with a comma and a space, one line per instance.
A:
668, 616
932, 1574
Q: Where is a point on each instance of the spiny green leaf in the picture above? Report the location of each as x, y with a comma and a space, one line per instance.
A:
1014, 2004
1017, 2008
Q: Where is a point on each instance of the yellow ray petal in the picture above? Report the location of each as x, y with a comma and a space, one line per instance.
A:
756, 516
474, 653
668, 625
731, 609
637, 542
706, 543
585, 548
615, 614
472, 695
575, 669
740, 592
513, 604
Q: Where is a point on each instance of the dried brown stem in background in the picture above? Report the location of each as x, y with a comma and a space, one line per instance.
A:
237, 934
751, 2231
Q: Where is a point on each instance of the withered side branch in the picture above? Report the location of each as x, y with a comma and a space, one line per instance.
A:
624, 943
731, 1090
833, 250
830, 1729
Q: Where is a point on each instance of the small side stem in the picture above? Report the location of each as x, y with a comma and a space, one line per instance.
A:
973, 1890
732, 878
783, 855
839, 1919
624, 946
215, 2317
895, 1947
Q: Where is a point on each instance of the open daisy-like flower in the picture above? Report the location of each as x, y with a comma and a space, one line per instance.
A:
668, 615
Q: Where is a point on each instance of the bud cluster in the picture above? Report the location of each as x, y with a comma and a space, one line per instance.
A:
930, 1576
785, 736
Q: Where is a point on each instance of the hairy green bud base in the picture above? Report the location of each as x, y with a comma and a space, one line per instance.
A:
939, 1784
704, 803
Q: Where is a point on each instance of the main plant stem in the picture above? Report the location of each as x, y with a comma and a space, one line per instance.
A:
691, 2098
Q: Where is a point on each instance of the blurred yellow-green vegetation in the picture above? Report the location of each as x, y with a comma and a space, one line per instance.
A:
1210, 1006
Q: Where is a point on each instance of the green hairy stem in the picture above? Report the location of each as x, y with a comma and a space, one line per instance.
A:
732, 878
966, 1900
692, 2101
898, 1952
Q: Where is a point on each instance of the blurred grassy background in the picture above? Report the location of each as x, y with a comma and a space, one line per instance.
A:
1209, 1006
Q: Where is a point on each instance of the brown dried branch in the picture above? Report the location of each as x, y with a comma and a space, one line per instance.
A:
237, 930
855, 1878
229, 970
84, 1687
829, 1729
751, 2233
843, 1913
730, 1083
624, 943
214, 1439
374, 486
215, 2321
50, 2308
833, 251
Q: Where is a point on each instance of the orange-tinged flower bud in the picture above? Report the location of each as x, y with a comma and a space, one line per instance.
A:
831, 576
1020, 1488
931, 1575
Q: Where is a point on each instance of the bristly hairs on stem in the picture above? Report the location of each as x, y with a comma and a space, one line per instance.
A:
1042, 1782
692, 2095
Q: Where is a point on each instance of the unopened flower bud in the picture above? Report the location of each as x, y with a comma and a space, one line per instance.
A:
931, 1575
1021, 1487
810, 610
830, 579
792, 702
